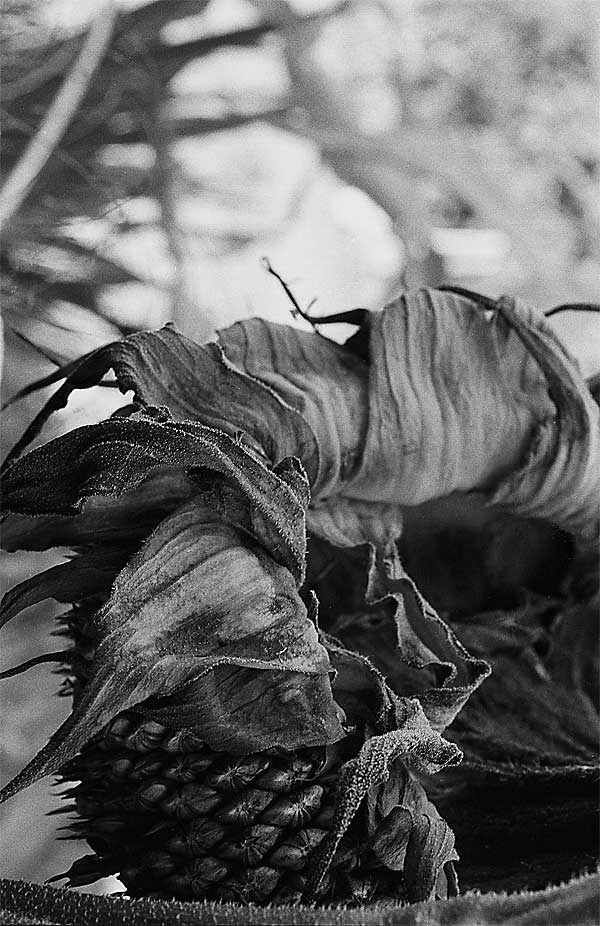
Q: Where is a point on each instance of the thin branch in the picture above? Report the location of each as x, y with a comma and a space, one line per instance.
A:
58, 116
184, 52
296, 310
67, 159
573, 307
52, 67
351, 317
65, 655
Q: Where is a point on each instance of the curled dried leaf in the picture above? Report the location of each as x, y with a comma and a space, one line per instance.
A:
453, 398
117, 456
200, 597
382, 759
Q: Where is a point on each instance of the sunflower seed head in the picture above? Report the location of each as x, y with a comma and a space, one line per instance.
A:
191, 800
195, 838
296, 848
190, 767
198, 877
148, 766
146, 737
183, 741
245, 808
150, 795
294, 809
236, 775
254, 885
251, 845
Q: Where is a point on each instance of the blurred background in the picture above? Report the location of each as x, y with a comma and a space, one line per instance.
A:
363, 146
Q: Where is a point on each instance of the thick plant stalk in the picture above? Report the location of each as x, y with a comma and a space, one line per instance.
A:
574, 902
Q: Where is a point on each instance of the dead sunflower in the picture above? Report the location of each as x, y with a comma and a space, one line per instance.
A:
225, 747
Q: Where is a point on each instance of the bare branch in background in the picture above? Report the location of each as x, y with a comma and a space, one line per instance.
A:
58, 117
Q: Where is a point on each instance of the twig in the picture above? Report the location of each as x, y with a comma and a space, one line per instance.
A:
180, 54
67, 159
48, 70
351, 317
64, 655
58, 116
296, 311
573, 307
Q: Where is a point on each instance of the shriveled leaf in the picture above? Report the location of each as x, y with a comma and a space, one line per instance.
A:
198, 596
430, 849
424, 640
412, 740
195, 383
408, 834
405, 829
391, 838
559, 479
525, 806
102, 520
68, 582
199, 384
239, 710
453, 398
324, 382
116, 456
195, 568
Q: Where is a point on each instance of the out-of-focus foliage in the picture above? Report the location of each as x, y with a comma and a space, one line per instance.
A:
450, 116
526, 72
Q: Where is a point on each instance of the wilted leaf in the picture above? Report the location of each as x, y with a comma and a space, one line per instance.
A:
196, 383
525, 806
80, 577
116, 456
424, 640
560, 477
103, 520
199, 596
453, 398
411, 740
408, 834
239, 710
321, 380
430, 850
391, 837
